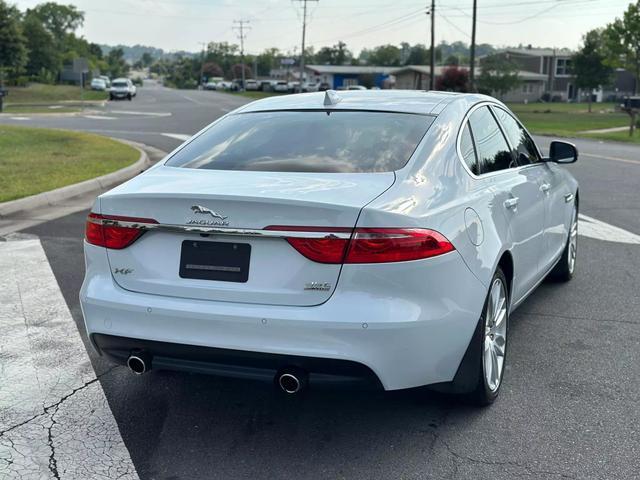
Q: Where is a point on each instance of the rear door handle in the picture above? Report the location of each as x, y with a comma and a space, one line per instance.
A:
545, 187
511, 203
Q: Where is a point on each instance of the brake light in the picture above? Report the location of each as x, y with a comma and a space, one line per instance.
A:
106, 231
366, 245
381, 245
328, 248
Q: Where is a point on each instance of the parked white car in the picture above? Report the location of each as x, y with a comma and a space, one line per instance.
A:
122, 88
106, 79
98, 84
281, 87
251, 84
310, 87
388, 242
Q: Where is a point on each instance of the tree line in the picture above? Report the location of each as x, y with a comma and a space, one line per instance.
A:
36, 43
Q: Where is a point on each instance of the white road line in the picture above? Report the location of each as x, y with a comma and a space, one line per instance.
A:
178, 136
19, 118
615, 159
55, 421
592, 228
146, 114
99, 117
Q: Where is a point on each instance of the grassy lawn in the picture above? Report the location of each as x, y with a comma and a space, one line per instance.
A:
50, 94
25, 109
34, 160
570, 119
256, 95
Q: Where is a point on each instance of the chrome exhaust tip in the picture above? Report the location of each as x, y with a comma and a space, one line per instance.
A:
139, 362
292, 380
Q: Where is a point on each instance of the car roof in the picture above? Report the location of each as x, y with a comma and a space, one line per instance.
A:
406, 101
121, 79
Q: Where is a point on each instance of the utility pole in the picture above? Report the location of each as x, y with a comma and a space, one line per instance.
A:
242, 25
432, 79
472, 67
304, 32
201, 63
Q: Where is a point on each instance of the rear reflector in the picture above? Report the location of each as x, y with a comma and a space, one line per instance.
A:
367, 245
99, 230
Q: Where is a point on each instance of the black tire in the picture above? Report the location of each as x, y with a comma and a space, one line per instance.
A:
111, 98
129, 97
483, 395
565, 268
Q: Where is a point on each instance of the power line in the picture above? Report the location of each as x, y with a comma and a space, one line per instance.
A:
241, 26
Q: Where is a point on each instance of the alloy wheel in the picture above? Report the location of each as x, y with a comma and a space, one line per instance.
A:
573, 242
495, 335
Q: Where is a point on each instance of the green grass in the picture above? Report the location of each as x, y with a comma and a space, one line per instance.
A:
37, 93
34, 160
571, 119
255, 94
26, 109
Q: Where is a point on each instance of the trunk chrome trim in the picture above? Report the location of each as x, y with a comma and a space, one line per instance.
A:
213, 230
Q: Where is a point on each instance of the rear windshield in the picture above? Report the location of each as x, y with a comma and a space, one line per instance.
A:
119, 84
308, 141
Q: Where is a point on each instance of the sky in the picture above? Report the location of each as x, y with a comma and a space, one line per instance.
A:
184, 24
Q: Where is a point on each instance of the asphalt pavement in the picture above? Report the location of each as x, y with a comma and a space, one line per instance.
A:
568, 407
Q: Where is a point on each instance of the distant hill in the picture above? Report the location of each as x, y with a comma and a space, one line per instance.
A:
133, 53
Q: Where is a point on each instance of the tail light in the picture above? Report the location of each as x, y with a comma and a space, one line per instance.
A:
114, 232
367, 245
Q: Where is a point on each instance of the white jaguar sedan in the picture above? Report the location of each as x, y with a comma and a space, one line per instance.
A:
382, 237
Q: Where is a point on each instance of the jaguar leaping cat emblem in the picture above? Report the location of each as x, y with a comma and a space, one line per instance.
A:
206, 211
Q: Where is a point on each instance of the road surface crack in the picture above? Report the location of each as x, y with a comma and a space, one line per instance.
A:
56, 405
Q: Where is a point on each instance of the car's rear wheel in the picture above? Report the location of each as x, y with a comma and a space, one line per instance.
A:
492, 336
564, 269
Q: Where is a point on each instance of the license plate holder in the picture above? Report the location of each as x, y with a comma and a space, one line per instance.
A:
219, 261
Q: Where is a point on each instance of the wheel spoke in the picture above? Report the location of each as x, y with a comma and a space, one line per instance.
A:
495, 374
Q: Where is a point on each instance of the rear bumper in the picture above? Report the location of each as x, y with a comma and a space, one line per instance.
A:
410, 327
235, 363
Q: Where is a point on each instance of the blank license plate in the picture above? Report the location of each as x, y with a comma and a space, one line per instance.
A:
226, 262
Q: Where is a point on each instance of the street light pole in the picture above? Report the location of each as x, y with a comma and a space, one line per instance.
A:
201, 64
242, 26
432, 79
472, 66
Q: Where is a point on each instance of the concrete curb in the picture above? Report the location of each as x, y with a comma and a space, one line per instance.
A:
58, 195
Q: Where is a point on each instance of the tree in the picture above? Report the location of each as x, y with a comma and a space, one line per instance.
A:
419, 55
236, 71
59, 20
387, 55
43, 54
146, 59
116, 63
622, 39
338, 54
13, 51
452, 60
589, 65
453, 79
499, 75
211, 69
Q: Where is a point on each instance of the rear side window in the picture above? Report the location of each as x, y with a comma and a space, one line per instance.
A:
491, 147
468, 150
524, 148
306, 141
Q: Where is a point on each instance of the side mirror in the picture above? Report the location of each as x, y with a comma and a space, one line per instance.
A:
563, 152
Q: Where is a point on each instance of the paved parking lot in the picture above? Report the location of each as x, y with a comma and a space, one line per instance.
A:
568, 408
